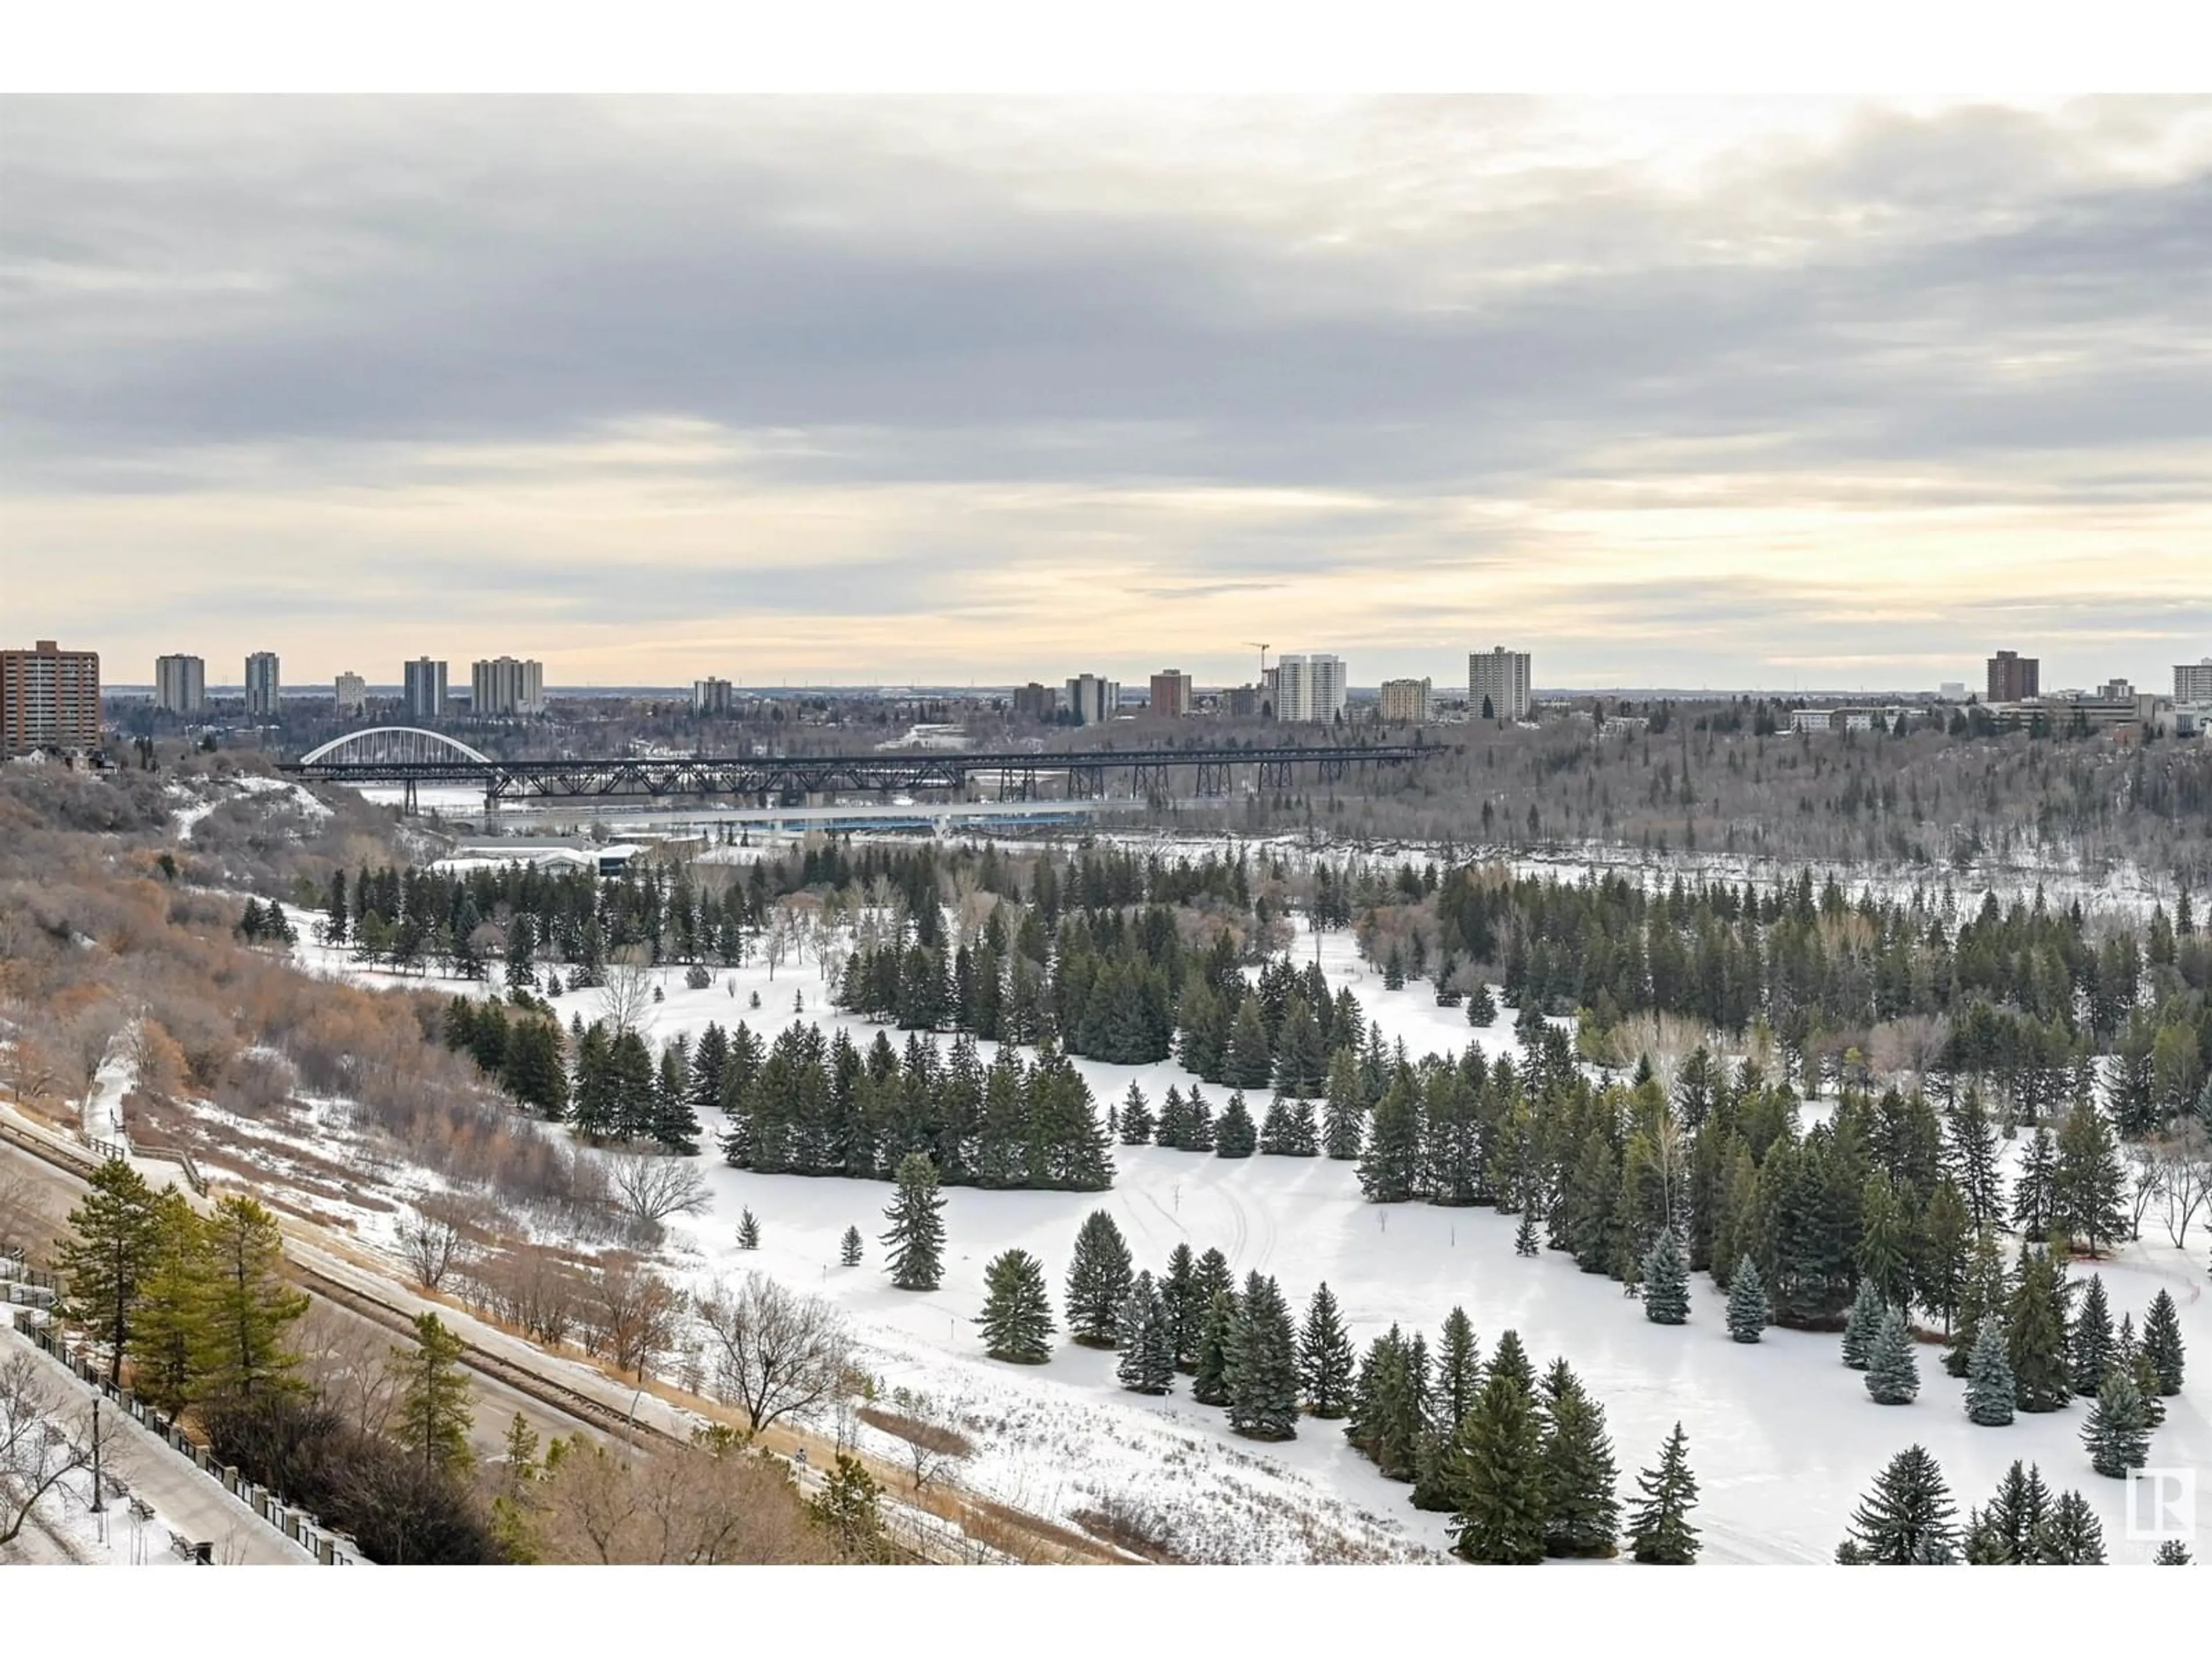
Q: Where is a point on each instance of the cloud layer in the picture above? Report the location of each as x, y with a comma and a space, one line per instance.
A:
1690, 393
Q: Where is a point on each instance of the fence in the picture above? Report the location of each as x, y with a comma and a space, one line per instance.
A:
329, 1548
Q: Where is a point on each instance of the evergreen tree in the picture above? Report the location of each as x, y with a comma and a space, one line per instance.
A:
1524, 1236
1344, 1118
2172, 1553
1325, 1358
2128, 1355
1667, 1281
1581, 1508
1659, 1529
1862, 1326
1184, 1306
2008, 1532
2033, 1207
1216, 1335
673, 1124
434, 1415
114, 1245
1147, 1357
1906, 1520
1016, 1317
2089, 1343
1989, 1380
1136, 1123
1892, 1375
1098, 1280
1201, 1122
2118, 1433
1497, 1472
748, 1230
1249, 1064
916, 1237
248, 1307
1982, 1297
1261, 1369
2162, 1343
849, 1249
2035, 1334
2088, 1187
1235, 1136
2070, 1535
163, 1336
1287, 1130
1746, 1303
845, 1511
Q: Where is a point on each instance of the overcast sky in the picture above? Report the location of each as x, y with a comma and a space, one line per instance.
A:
1726, 393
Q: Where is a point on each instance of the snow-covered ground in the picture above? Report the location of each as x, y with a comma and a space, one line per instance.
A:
1783, 1436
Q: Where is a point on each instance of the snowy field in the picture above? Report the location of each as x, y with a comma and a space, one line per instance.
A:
1782, 1435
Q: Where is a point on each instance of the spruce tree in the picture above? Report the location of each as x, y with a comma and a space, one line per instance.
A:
1201, 1122
1184, 1306
1906, 1520
1235, 1136
1136, 1121
1098, 1280
849, 1249
916, 1237
1863, 1325
2172, 1553
1746, 1303
1148, 1358
1989, 1380
1667, 1281
1344, 1118
114, 1244
748, 1230
2008, 1532
2118, 1433
2035, 1334
1581, 1508
1981, 1298
2089, 1342
1497, 1473
434, 1415
1892, 1375
1209, 1383
1524, 1235
2070, 1535
1659, 1530
1325, 1358
1017, 1317
1261, 1372
2161, 1341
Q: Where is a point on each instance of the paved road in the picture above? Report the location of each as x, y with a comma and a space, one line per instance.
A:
191, 1500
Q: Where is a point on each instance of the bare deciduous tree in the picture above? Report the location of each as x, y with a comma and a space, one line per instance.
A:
626, 999
44, 1439
345, 1360
25, 1219
776, 1351
431, 1246
633, 1313
651, 1188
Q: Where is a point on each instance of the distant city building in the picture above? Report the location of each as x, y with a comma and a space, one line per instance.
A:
1502, 676
1406, 703
2116, 691
1034, 701
351, 694
1838, 719
1253, 701
1093, 700
1171, 692
264, 684
506, 687
1311, 687
1952, 691
180, 685
2013, 677
49, 699
2192, 681
710, 696
423, 688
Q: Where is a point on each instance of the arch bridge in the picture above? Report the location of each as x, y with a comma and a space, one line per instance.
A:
393, 754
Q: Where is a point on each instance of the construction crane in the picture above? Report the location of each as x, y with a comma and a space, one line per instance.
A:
1263, 645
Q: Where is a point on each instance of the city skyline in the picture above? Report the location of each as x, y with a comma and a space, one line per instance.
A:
1725, 393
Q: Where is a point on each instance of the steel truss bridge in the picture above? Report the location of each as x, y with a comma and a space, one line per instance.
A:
415, 759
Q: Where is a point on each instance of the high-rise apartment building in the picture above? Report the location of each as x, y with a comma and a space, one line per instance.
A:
1092, 699
1034, 701
180, 685
49, 699
710, 696
1171, 692
2013, 677
264, 684
422, 688
506, 687
1406, 703
1311, 687
2192, 681
351, 693
1501, 678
